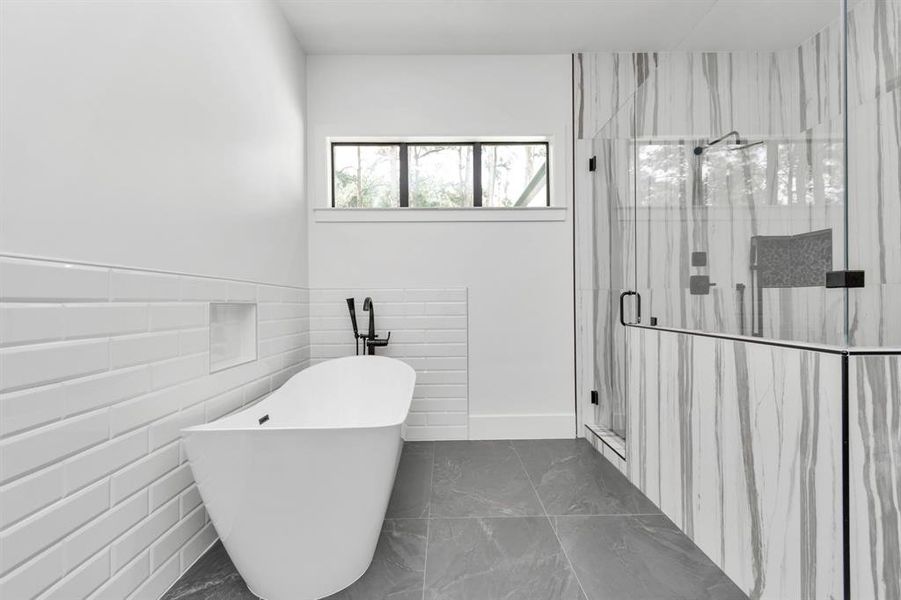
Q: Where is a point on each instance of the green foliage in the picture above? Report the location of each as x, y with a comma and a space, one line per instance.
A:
440, 176
367, 177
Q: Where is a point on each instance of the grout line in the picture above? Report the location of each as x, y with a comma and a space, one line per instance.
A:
483, 517
120, 267
609, 515
428, 521
431, 481
553, 525
191, 566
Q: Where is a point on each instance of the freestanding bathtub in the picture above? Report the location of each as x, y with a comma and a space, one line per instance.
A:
298, 500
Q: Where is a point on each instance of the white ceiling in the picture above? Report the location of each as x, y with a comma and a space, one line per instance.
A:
552, 26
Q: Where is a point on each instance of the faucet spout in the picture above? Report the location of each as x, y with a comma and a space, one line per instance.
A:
370, 340
367, 305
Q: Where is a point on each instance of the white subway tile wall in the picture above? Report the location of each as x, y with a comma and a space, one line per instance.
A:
233, 334
429, 331
100, 368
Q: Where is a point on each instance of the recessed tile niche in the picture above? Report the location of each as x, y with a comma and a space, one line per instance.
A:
233, 334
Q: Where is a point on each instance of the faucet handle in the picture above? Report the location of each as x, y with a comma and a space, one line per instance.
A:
377, 342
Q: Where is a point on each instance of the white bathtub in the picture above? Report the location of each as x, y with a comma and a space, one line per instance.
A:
299, 500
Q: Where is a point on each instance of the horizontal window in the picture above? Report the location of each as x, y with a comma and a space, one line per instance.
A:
440, 174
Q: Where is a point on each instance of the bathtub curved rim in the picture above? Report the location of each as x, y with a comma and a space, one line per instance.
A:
206, 427
215, 425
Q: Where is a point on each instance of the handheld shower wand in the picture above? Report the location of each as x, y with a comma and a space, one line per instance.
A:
353, 321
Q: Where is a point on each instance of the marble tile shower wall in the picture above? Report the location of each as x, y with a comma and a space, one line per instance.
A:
718, 203
684, 424
683, 98
874, 170
875, 385
740, 445
672, 101
793, 183
721, 433
429, 331
99, 370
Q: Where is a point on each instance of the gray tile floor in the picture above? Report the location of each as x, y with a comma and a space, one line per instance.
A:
521, 520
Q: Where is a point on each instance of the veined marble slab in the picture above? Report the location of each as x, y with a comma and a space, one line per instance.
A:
739, 444
791, 99
875, 448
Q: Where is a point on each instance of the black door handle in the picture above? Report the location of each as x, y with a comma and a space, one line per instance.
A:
622, 300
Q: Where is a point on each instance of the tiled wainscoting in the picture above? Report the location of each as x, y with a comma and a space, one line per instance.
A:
101, 367
99, 370
428, 331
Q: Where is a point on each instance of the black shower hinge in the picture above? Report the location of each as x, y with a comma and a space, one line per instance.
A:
594, 396
593, 163
845, 279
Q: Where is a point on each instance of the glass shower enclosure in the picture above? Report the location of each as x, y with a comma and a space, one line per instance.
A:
747, 191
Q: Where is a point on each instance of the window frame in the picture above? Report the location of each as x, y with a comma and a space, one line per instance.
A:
404, 171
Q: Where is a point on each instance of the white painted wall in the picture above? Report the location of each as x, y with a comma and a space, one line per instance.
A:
165, 135
519, 274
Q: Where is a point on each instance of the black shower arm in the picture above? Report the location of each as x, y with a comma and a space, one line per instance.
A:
723, 138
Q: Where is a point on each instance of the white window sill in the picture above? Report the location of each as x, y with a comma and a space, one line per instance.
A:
404, 215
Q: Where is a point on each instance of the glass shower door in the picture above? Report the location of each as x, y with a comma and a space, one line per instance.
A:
614, 267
